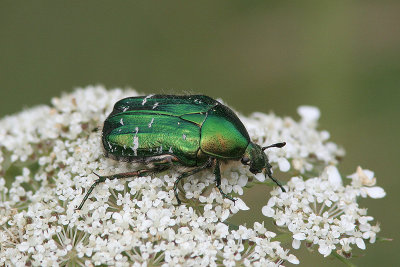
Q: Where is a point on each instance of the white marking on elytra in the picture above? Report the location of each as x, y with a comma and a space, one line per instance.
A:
145, 99
184, 136
121, 121
125, 109
170, 150
151, 122
179, 123
135, 142
155, 105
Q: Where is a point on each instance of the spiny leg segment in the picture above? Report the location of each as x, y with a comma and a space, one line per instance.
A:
159, 166
183, 175
217, 173
102, 179
268, 172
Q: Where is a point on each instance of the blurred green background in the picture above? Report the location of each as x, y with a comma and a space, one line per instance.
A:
342, 56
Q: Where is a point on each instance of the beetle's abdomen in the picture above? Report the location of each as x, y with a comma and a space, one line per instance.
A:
223, 134
141, 135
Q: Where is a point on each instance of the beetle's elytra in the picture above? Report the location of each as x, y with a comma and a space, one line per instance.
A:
194, 131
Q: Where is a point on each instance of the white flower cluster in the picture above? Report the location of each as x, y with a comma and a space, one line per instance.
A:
47, 158
323, 212
305, 147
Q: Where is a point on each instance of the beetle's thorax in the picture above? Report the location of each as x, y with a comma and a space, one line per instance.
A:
255, 157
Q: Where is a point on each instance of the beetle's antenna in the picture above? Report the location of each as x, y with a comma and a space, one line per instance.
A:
279, 145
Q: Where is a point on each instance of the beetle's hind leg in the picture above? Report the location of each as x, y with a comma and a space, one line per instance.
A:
217, 173
102, 179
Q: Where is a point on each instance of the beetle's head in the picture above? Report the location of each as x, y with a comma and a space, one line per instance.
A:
255, 157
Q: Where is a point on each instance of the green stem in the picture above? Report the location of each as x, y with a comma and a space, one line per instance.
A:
344, 260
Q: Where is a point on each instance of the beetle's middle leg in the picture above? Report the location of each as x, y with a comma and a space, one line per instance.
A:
183, 175
217, 173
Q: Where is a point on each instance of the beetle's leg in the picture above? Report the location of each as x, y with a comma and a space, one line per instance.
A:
269, 173
217, 173
102, 179
186, 174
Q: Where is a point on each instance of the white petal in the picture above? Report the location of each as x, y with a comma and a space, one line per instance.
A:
360, 243
117, 216
375, 192
293, 259
309, 113
267, 211
23, 246
243, 180
240, 204
284, 164
222, 230
296, 244
146, 224
334, 176
299, 236
324, 250
368, 173
260, 176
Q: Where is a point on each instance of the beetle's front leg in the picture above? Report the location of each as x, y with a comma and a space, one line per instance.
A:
217, 173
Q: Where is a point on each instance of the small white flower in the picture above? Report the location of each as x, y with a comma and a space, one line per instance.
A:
309, 113
365, 177
365, 180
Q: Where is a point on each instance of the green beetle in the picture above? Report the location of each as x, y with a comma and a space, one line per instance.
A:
193, 131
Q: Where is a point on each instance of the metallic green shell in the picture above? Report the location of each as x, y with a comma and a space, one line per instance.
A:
144, 127
148, 135
223, 135
173, 105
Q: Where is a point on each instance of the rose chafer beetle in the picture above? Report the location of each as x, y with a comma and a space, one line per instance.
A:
193, 131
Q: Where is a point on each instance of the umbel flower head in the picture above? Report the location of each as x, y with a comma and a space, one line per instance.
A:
47, 158
322, 211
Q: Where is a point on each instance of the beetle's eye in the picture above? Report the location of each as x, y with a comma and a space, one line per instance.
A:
245, 161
